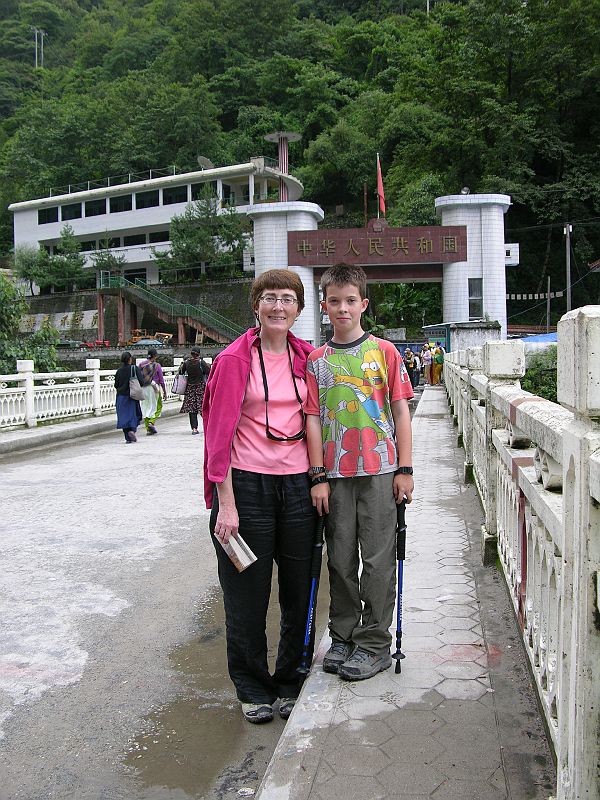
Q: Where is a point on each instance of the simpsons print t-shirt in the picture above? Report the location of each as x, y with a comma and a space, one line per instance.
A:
351, 387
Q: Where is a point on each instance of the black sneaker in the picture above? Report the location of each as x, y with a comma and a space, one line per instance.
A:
362, 665
336, 655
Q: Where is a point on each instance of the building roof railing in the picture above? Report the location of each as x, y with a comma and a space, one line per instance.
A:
134, 177
115, 180
160, 178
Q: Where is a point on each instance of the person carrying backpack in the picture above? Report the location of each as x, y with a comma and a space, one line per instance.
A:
153, 382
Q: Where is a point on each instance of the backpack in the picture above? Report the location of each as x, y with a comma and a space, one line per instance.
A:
148, 369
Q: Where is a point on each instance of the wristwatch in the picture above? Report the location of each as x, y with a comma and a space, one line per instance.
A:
404, 471
315, 471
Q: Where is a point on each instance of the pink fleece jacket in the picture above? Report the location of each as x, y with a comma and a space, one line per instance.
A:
223, 398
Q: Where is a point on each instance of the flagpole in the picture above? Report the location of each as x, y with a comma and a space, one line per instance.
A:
378, 186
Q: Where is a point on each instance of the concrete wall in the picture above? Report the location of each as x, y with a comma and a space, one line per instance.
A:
228, 299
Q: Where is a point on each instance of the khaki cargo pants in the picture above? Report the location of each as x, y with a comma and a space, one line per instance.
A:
361, 527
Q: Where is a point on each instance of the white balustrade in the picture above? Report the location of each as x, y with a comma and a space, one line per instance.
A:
28, 398
536, 465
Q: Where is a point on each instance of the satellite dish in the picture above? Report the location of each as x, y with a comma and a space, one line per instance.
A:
205, 163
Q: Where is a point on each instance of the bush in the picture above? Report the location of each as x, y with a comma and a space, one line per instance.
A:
540, 377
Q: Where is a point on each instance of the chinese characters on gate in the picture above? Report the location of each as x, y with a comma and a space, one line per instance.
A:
378, 244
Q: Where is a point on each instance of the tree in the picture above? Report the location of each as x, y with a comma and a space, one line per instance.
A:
104, 260
31, 265
66, 266
203, 234
39, 346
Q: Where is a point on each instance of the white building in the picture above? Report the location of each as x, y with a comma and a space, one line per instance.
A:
133, 216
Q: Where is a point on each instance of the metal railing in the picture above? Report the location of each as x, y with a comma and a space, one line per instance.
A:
171, 307
116, 180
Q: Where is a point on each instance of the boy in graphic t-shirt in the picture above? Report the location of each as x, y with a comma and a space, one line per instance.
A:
360, 449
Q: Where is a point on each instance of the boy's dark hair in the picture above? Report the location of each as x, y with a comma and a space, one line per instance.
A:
152, 351
125, 356
195, 351
341, 274
277, 279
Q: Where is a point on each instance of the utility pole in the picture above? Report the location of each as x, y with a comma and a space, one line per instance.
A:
548, 307
568, 229
39, 47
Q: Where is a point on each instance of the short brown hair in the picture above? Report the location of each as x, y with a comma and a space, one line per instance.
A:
341, 274
277, 279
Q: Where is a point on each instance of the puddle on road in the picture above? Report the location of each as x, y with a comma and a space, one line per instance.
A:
198, 745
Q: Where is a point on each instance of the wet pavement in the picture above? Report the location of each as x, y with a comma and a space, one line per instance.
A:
460, 722
113, 680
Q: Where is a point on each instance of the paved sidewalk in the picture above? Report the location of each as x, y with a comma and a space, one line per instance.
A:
460, 722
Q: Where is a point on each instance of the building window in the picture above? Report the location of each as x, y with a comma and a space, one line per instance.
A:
147, 199
158, 236
122, 202
134, 239
114, 241
87, 246
475, 298
175, 194
72, 211
46, 215
94, 208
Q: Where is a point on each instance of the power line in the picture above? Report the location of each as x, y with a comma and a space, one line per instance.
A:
537, 305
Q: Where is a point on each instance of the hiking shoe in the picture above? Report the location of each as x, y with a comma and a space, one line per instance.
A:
257, 713
151, 430
336, 655
131, 437
362, 665
286, 706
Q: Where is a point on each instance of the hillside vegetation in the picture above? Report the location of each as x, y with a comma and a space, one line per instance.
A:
495, 95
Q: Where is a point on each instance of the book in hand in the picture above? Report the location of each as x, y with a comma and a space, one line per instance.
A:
239, 553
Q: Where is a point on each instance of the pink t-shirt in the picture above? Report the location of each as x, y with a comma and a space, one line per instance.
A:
251, 450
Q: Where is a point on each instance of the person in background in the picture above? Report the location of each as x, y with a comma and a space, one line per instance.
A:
427, 360
437, 364
154, 381
417, 371
256, 483
129, 414
409, 363
197, 372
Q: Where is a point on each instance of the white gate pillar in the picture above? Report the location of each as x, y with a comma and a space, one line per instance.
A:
272, 221
483, 215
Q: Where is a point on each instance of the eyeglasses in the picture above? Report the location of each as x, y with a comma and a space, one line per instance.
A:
271, 299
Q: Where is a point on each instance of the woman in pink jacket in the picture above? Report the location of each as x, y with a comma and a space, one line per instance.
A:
256, 482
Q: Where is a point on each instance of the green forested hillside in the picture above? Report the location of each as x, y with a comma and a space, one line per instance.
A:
496, 95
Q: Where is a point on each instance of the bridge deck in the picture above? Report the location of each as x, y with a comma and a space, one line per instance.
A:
99, 572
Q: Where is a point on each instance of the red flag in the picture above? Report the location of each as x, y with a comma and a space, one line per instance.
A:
380, 192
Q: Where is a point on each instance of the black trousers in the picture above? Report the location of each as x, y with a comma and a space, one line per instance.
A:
277, 522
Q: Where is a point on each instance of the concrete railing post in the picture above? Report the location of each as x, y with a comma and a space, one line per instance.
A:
579, 626
25, 368
474, 365
92, 366
503, 363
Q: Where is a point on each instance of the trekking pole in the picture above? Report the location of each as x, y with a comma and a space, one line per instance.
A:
400, 554
315, 573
